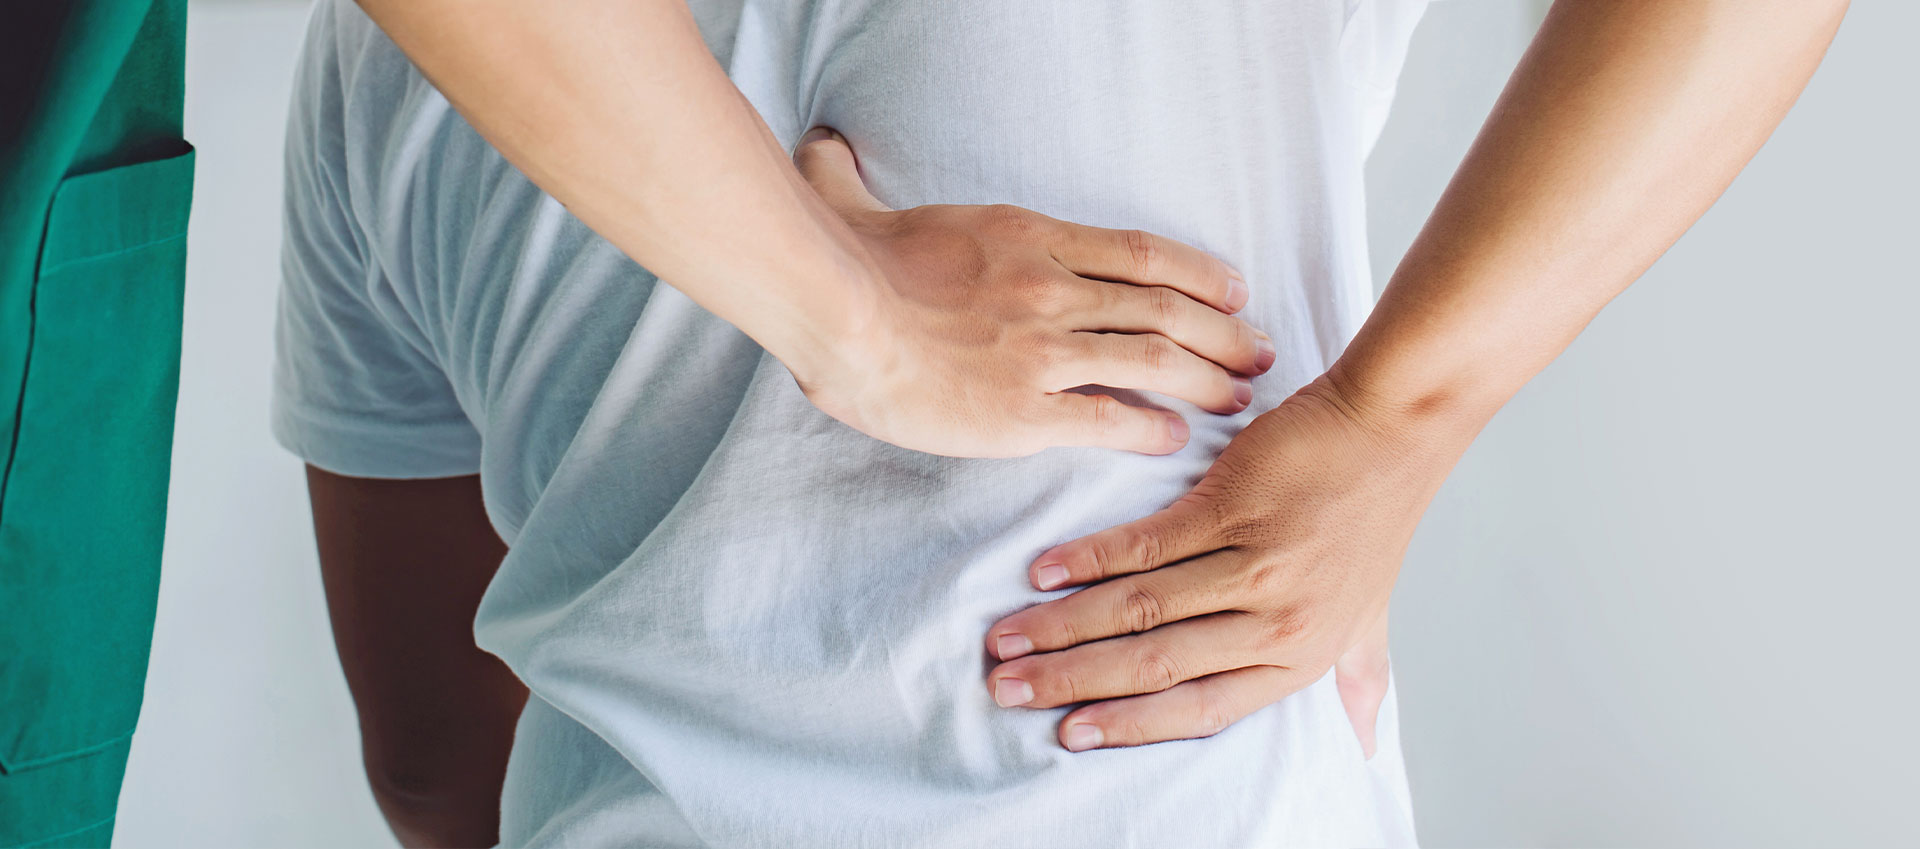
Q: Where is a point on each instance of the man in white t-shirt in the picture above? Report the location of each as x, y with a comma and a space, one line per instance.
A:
748, 566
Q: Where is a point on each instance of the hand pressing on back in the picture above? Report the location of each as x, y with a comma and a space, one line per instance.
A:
949, 329
1278, 565
1275, 568
977, 319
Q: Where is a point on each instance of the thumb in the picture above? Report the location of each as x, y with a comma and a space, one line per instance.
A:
826, 162
1361, 674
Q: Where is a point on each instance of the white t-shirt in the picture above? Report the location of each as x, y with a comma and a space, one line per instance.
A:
744, 623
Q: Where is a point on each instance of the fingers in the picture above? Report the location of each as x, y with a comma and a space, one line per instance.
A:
1136, 256
1195, 326
1131, 605
1362, 674
1102, 421
1202, 707
1151, 362
1143, 663
1186, 529
828, 165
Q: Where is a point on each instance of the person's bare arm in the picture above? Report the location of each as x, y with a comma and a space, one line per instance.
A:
616, 108
1623, 123
405, 563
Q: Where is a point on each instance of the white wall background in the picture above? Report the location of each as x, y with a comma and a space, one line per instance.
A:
1667, 597
247, 738
1664, 601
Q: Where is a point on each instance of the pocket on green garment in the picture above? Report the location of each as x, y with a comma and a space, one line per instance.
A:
83, 501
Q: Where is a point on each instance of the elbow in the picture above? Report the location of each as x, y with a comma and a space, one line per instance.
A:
428, 807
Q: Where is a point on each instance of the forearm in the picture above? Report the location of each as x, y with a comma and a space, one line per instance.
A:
1623, 123
617, 109
404, 563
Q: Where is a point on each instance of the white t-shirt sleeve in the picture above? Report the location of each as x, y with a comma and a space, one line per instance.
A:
356, 390
1373, 48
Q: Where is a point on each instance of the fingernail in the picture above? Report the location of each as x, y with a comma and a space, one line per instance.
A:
1010, 646
1012, 692
816, 134
1242, 391
1049, 576
1082, 736
1236, 291
1177, 429
1264, 354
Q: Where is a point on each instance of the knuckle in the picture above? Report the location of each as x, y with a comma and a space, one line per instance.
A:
1009, 221
1238, 528
1143, 251
1107, 555
1141, 609
1031, 285
1284, 626
1252, 527
1256, 581
1155, 670
1068, 684
1106, 412
1263, 578
1222, 515
1144, 547
1045, 292
1165, 305
1215, 711
1055, 363
1067, 632
1132, 730
1156, 355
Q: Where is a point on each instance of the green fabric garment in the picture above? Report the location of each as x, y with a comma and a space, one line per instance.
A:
95, 183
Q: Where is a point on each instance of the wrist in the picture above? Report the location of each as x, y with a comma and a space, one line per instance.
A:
1441, 367
1421, 408
834, 329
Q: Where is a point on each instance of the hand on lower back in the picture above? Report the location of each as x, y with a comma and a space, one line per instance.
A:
986, 316
1275, 568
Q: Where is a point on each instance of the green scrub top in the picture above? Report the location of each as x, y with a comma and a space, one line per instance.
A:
95, 181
